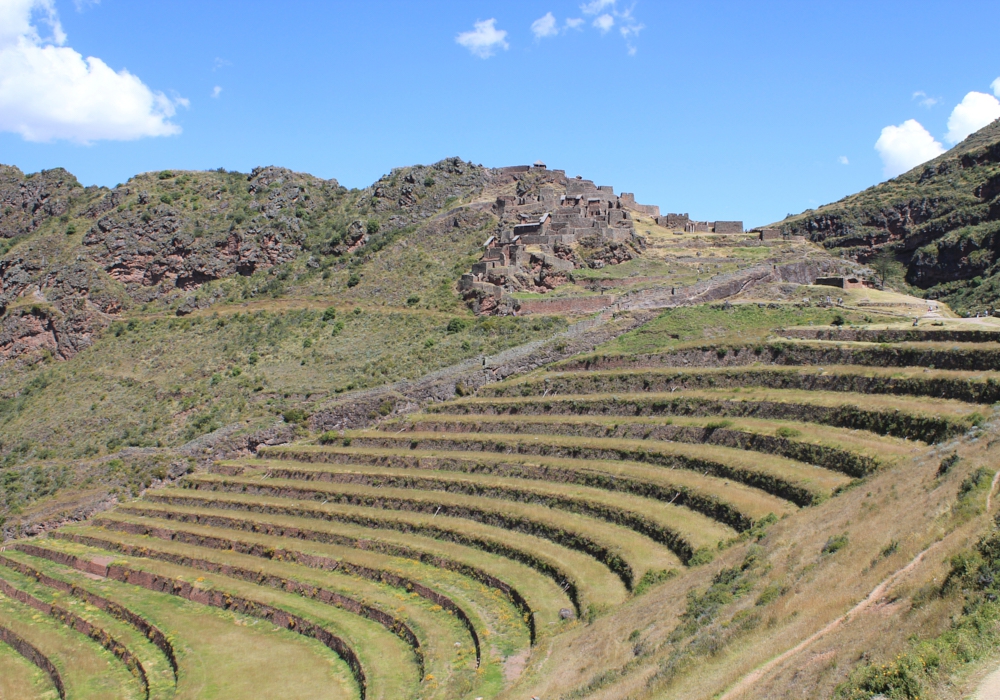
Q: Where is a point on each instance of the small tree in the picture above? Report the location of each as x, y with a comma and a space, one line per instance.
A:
886, 267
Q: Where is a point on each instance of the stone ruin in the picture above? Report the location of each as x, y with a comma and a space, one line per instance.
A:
550, 226
684, 222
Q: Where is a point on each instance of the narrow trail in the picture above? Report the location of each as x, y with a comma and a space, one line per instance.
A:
877, 593
988, 690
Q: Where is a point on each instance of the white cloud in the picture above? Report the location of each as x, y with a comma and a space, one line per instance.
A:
544, 26
925, 99
996, 87
216, 91
843, 160
604, 23
484, 39
976, 110
906, 146
577, 22
595, 6
49, 91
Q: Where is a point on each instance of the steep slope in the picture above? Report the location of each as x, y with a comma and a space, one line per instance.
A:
941, 220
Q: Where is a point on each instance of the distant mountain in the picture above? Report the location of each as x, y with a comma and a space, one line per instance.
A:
941, 220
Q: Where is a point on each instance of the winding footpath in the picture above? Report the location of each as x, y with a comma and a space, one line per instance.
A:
989, 688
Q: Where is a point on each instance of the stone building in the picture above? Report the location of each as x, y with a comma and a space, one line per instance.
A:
728, 227
842, 282
673, 221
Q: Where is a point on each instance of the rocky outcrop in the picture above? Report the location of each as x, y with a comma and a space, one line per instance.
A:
28, 201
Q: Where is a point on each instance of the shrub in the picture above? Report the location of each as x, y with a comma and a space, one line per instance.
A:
838, 320
347, 442
307, 343
947, 463
337, 328
165, 175
428, 181
786, 432
834, 544
385, 408
354, 280
412, 300
717, 424
653, 577
295, 415
975, 481
456, 325
372, 226
329, 314
328, 438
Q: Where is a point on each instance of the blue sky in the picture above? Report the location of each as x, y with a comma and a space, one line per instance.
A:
728, 110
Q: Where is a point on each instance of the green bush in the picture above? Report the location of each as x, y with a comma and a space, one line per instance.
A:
354, 280
412, 300
372, 226
786, 432
295, 415
329, 314
835, 544
428, 181
456, 325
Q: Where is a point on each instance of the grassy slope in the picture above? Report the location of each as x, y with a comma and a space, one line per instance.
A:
249, 347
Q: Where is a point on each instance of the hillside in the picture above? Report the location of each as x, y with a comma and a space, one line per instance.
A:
941, 220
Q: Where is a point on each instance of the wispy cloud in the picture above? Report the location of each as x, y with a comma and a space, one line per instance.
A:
49, 91
843, 160
544, 26
996, 87
604, 23
216, 91
484, 39
577, 22
925, 99
596, 6
906, 146
220, 63
976, 110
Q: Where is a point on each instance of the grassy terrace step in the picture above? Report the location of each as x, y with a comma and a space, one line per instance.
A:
574, 571
536, 593
429, 583
119, 612
799, 483
217, 658
131, 649
381, 663
736, 505
624, 551
946, 356
20, 677
484, 612
831, 448
434, 634
85, 669
664, 522
927, 420
896, 335
971, 387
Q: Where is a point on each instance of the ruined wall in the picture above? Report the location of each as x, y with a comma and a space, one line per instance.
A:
729, 227
674, 221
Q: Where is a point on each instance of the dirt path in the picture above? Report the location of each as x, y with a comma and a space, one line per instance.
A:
877, 593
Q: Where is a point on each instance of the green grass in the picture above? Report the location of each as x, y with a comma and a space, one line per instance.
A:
19, 678
445, 646
389, 665
420, 557
493, 615
618, 547
569, 568
221, 653
87, 669
694, 528
707, 494
693, 325
776, 475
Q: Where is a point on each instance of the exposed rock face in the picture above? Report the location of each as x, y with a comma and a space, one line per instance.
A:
27, 201
38, 328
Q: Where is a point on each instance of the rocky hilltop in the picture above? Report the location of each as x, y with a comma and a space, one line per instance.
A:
941, 220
